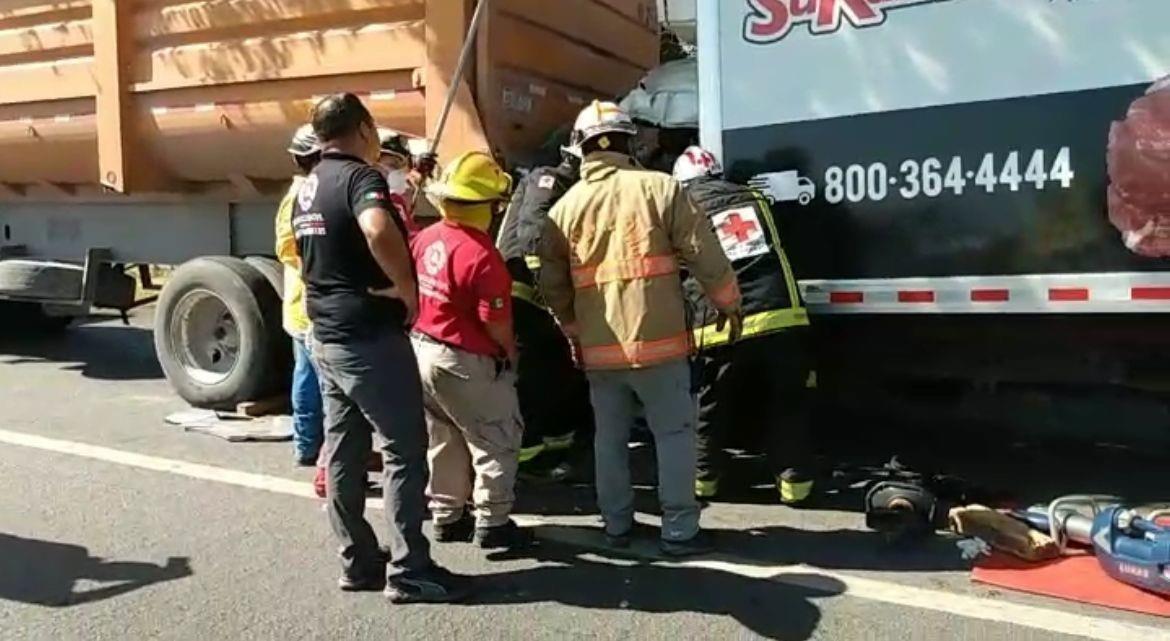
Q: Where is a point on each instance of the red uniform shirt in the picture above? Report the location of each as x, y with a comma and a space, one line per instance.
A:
462, 285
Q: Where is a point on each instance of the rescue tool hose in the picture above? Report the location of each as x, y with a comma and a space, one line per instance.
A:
460, 68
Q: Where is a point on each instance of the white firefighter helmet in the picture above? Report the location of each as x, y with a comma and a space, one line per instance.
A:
601, 118
696, 162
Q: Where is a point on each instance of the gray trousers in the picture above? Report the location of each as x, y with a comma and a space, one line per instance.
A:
665, 394
372, 385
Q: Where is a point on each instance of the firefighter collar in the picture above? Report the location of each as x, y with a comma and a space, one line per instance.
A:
600, 165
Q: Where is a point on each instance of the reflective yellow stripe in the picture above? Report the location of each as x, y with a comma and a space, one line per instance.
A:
794, 492
706, 489
526, 293
558, 443
529, 453
532, 261
761, 323
793, 293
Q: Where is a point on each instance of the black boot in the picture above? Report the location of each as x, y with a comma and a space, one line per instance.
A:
459, 531
507, 536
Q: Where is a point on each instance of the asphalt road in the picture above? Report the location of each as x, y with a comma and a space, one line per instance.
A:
159, 536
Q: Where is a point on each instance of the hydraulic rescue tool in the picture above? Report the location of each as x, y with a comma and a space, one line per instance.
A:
1131, 544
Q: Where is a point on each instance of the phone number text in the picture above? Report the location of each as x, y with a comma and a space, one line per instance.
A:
932, 177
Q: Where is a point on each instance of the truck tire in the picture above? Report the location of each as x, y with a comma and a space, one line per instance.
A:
217, 333
272, 270
40, 280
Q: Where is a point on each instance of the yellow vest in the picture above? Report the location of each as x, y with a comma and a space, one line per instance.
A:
296, 318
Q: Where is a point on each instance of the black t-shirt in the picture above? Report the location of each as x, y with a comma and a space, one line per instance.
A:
338, 268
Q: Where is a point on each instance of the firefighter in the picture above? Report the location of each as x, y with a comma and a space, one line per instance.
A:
554, 395
762, 379
308, 415
610, 262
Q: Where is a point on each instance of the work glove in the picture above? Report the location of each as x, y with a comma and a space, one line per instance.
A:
733, 320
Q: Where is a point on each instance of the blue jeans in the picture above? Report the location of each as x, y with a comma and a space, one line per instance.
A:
307, 411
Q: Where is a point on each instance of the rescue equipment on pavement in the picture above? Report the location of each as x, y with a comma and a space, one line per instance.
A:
1132, 545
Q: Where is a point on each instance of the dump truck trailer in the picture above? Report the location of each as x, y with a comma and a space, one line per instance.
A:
152, 132
983, 232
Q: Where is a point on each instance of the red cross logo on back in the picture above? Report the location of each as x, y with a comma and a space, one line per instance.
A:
740, 233
736, 226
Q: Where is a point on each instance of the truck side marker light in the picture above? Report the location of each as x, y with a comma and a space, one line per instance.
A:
1150, 293
1068, 294
915, 296
846, 298
990, 295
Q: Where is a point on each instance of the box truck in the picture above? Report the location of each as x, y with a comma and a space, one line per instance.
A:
136, 132
986, 225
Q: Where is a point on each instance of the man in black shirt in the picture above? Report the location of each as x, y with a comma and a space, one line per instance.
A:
361, 298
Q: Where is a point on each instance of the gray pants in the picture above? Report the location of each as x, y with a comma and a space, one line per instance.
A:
372, 385
665, 394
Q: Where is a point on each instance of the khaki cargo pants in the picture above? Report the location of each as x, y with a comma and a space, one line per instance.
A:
474, 425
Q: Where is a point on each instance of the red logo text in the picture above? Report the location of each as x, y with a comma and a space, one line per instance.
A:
772, 20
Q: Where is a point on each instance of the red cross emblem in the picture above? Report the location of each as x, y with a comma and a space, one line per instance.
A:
736, 226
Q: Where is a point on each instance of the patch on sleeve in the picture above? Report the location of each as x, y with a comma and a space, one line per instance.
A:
497, 303
374, 195
547, 182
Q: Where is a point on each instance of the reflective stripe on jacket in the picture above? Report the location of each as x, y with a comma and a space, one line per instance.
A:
747, 231
295, 319
610, 262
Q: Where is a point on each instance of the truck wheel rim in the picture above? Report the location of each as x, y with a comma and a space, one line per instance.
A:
204, 337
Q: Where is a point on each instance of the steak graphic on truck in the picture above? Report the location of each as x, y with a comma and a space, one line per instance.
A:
957, 149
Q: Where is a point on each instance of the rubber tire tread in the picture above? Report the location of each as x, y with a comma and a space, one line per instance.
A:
253, 303
42, 280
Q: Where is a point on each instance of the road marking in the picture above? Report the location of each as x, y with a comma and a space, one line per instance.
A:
966, 606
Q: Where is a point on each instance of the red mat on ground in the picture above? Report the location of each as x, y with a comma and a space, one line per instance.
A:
1073, 578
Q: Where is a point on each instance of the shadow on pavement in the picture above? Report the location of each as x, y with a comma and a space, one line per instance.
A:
780, 607
842, 549
46, 573
104, 351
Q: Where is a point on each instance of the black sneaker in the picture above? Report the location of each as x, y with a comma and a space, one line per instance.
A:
436, 585
507, 536
697, 545
363, 582
306, 461
460, 531
620, 541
